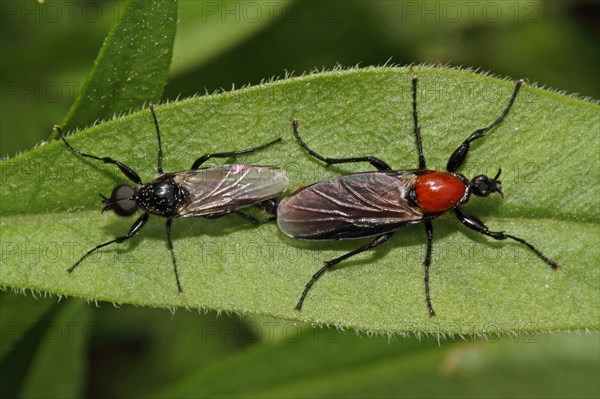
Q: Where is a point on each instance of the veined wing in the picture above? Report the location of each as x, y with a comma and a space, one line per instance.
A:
351, 206
229, 187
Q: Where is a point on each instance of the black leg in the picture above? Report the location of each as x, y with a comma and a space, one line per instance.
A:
252, 219
206, 157
135, 228
170, 244
269, 206
376, 162
429, 230
416, 127
160, 153
127, 171
375, 243
216, 215
459, 155
476, 224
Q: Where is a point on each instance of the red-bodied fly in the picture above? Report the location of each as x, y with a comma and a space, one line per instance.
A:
199, 192
377, 204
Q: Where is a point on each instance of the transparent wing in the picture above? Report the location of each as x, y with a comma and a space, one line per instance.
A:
229, 187
351, 206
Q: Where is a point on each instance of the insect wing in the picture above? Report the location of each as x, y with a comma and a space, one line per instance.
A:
351, 206
229, 187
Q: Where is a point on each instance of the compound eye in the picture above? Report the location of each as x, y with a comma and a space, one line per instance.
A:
121, 200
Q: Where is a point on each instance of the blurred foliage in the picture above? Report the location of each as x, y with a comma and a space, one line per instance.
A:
46, 54
45, 59
131, 67
133, 352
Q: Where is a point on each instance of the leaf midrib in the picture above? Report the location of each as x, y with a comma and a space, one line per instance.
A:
80, 214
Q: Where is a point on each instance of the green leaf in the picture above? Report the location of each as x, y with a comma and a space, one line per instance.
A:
547, 148
18, 314
209, 29
328, 363
59, 365
132, 65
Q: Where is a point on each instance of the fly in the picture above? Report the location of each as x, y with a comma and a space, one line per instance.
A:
377, 204
199, 192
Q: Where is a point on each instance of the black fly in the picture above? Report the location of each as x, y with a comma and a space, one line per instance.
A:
200, 192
